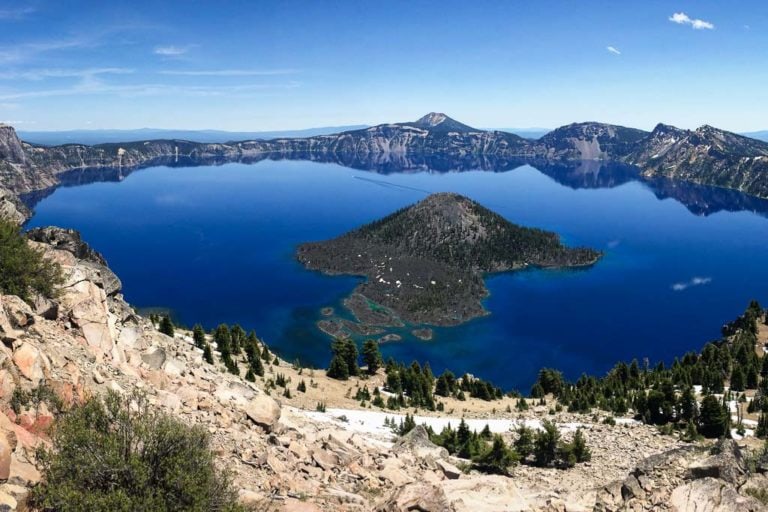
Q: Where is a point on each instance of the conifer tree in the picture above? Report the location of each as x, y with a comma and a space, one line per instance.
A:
372, 356
207, 354
198, 336
166, 326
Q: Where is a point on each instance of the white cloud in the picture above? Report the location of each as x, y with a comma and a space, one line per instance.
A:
613, 50
232, 72
683, 19
171, 51
43, 73
696, 281
94, 86
15, 13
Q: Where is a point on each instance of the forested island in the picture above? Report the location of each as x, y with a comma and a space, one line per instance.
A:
425, 263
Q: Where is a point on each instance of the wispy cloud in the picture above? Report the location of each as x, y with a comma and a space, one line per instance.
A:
95, 87
683, 19
613, 50
171, 50
43, 73
16, 13
232, 72
696, 281
21, 52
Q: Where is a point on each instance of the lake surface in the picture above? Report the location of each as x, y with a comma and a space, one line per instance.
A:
216, 244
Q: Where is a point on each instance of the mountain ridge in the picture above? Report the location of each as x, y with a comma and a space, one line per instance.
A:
707, 155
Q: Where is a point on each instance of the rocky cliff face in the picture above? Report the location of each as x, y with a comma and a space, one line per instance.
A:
706, 155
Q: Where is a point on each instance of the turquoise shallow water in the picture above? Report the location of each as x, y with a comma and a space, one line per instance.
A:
215, 244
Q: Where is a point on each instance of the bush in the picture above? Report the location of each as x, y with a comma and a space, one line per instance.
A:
23, 270
119, 454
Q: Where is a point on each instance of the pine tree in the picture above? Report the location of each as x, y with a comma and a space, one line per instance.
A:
302, 387
257, 366
498, 458
546, 444
372, 356
738, 379
338, 368
207, 354
524, 444
688, 407
579, 447
713, 419
265, 355
238, 337
250, 376
198, 336
166, 326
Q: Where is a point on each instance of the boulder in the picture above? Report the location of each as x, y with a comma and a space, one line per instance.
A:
154, 357
264, 411
488, 493
727, 463
450, 471
417, 442
420, 497
711, 495
31, 363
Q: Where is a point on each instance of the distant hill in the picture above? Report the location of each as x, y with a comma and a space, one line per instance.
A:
526, 133
762, 135
92, 137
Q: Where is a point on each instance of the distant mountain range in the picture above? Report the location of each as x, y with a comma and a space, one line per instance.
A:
92, 137
762, 135
706, 155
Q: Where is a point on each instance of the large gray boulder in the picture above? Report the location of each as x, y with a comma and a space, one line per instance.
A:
264, 411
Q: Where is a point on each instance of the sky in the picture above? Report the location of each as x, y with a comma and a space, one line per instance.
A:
263, 65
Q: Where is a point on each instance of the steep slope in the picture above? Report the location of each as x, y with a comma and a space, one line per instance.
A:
425, 263
706, 155
589, 141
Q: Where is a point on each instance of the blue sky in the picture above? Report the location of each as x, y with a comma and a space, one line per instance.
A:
262, 65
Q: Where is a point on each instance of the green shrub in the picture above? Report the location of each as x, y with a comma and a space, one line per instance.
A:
23, 270
119, 454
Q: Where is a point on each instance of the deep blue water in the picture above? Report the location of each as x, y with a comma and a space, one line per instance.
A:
215, 244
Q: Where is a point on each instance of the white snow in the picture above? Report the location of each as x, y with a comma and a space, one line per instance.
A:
372, 422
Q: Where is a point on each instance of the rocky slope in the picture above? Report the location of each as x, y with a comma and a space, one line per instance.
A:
288, 457
425, 263
705, 155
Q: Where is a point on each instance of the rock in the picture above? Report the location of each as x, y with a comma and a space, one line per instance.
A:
46, 308
631, 489
450, 471
30, 362
726, 464
8, 333
420, 497
489, 493
417, 441
325, 459
7, 502
264, 411
294, 505
23, 473
154, 358
97, 377
711, 495
249, 498
6, 450
395, 474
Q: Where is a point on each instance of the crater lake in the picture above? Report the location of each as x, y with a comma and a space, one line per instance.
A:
217, 245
